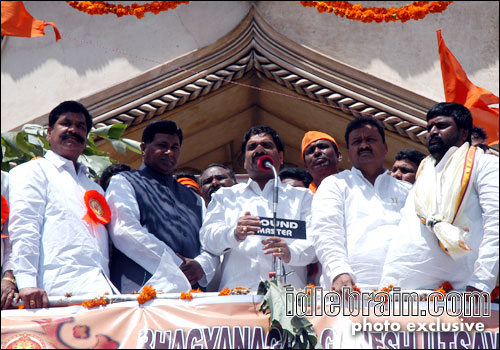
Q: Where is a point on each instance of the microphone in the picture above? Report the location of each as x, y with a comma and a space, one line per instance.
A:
265, 163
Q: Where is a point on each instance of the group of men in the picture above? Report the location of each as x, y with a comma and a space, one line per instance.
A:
365, 226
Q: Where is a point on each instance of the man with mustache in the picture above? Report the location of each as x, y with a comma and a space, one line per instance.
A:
155, 220
234, 214
55, 250
355, 212
214, 177
449, 223
321, 156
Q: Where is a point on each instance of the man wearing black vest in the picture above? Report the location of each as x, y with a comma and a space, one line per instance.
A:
154, 216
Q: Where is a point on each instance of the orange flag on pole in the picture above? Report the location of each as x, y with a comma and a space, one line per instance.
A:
16, 21
459, 89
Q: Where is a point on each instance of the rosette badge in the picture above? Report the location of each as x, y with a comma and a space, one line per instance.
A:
98, 211
5, 213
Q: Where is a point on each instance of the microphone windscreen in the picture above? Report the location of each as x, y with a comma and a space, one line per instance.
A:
261, 162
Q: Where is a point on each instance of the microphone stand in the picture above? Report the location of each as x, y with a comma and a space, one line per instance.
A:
280, 269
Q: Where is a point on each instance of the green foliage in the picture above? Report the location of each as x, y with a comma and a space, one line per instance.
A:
297, 331
21, 146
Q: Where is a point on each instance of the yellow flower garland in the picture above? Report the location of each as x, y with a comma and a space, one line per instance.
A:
104, 8
417, 10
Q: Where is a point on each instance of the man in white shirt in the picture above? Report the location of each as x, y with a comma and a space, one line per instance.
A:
449, 225
155, 220
355, 212
55, 251
234, 214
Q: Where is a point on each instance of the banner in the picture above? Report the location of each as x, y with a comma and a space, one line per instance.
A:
227, 322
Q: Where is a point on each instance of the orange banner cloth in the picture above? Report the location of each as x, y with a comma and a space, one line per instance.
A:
16, 21
458, 88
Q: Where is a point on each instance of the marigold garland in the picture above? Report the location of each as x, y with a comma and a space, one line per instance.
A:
147, 293
225, 291
417, 10
138, 10
89, 304
186, 296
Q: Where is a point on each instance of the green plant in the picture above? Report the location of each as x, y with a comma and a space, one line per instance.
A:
21, 146
297, 331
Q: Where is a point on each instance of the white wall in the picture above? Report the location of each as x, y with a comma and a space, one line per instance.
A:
97, 52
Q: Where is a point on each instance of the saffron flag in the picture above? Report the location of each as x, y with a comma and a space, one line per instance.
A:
16, 21
459, 89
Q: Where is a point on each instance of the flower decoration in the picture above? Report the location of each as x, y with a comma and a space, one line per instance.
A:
417, 10
198, 290
225, 291
186, 296
147, 293
446, 286
138, 10
89, 304
98, 211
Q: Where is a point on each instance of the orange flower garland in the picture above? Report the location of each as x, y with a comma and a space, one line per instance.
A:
186, 296
89, 304
138, 10
147, 293
225, 291
417, 10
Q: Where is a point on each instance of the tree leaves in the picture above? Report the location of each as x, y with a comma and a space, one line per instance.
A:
21, 146
297, 331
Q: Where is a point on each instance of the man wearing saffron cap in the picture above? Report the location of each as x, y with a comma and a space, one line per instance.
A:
155, 220
189, 181
233, 218
321, 156
356, 212
55, 249
449, 223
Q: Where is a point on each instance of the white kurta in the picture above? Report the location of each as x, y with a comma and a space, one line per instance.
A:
245, 263
52, 247
353, 224
415, 260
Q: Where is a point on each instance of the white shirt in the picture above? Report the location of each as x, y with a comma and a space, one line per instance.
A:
415, 260
135, 241
353, 223
244, 262
52, 247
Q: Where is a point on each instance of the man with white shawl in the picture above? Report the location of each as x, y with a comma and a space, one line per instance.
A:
449, 225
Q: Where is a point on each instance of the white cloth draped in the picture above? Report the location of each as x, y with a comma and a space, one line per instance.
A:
416, 261
438, 198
